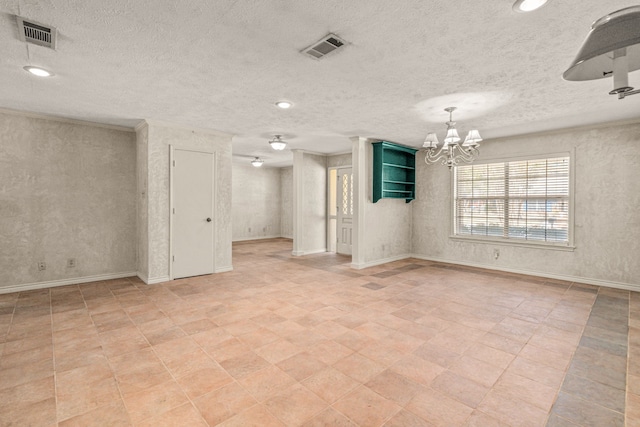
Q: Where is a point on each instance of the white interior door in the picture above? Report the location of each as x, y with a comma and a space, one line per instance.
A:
344, 193
192, 213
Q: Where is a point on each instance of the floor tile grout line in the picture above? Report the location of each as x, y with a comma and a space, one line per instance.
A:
627, 391
560, 390
53, 356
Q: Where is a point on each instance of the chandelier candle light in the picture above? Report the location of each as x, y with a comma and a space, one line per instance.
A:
451, 152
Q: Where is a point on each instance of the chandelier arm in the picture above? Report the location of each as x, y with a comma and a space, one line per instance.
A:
433, 155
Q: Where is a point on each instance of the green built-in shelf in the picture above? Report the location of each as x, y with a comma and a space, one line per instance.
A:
394, 171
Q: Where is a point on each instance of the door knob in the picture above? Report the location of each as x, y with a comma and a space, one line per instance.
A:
208, 219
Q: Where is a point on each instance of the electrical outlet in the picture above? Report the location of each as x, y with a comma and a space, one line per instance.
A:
71, 263
496, 253
42, 266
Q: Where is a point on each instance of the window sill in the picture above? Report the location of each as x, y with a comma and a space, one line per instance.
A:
522, 244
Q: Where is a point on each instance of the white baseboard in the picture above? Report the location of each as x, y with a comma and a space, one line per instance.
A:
154, 280
64, 282
245, 239
565, 277
311, 252
379, 261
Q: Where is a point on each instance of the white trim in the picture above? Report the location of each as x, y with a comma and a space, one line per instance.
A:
298, 201
523, 157
244, 239
65, 120
155, 280
214, 196
380, 261
64, 282
359, 148
568, 246
334, 215
565, 277
331, 245
489, 240
311, 252
224, 269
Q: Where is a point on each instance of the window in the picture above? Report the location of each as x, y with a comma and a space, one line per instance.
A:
523, 200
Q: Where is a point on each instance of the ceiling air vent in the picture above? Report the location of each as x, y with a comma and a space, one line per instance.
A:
329, 43
36, 33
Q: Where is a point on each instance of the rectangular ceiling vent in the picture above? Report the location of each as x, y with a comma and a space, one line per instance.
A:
328, 44
36, 33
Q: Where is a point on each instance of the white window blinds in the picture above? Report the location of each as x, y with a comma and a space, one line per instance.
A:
522, 200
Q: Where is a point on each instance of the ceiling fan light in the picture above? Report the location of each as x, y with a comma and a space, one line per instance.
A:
277, 143
37, 71
524, 6
284, 104
614, 38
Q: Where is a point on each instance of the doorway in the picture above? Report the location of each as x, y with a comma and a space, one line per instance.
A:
340, 216
192, 208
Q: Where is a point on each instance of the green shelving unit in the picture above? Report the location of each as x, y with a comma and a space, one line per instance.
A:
394, 171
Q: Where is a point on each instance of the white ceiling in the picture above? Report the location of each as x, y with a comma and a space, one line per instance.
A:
222, 64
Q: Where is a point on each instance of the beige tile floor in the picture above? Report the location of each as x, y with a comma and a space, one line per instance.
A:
284, 341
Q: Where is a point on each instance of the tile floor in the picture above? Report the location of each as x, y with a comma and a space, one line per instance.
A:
307, 341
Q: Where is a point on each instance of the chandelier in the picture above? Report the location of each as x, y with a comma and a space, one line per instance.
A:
257, 162
451, 152
277, 143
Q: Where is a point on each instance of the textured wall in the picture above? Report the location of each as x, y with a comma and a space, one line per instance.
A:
256, 202
67, 190
315, 203
339, 160
142, 201
387, 232
607, 202
309, 203
160, 138
286, 205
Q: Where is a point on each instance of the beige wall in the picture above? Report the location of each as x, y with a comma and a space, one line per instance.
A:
607, 202
256, 202
387, 225
309, 203
67, 190
339, 160
142, 201
155, 172
286, 205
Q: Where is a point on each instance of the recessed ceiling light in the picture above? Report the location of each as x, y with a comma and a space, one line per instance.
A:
283, 104
528, 5
37, 71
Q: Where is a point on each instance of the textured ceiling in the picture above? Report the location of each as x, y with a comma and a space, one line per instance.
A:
222, 64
